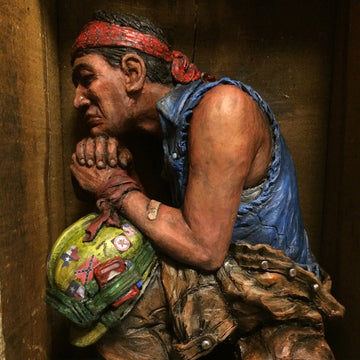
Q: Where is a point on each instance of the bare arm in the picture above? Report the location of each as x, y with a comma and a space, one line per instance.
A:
225, 140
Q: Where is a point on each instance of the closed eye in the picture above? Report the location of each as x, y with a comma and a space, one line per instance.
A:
82, 76
86, 80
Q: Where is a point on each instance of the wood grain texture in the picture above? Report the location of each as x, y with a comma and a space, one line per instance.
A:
30, 132
341, 227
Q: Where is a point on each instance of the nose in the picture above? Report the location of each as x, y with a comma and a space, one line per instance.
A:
80, 99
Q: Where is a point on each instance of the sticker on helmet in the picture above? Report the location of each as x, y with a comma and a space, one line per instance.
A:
85, 272
109, 269
122, 243
70, 255
131, 293
130, 231
76, 291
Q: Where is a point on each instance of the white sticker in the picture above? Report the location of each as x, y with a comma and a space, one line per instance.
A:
121, 243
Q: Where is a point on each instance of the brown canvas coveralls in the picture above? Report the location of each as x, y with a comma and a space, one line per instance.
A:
269, 307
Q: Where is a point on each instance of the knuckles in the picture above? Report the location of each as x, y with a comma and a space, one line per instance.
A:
102, 151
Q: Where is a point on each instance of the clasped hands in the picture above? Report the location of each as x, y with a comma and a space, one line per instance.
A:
96, 159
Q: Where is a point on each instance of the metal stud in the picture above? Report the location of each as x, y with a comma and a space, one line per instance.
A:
264, 264
206, 344
227, 265
292, 272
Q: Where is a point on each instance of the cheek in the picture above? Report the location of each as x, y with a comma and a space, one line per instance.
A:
111, 102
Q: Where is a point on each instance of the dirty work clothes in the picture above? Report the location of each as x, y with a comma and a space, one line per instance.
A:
274, 217
259, 299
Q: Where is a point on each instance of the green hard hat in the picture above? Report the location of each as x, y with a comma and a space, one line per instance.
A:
95, 284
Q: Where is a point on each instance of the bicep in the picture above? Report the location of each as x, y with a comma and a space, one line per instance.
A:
222, 145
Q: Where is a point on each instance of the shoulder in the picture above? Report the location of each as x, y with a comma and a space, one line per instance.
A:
225, 97
230, 107
226, 115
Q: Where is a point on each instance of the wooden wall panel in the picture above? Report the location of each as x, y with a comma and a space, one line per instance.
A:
341, 237
30, 192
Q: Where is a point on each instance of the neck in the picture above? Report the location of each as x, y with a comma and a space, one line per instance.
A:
145, 114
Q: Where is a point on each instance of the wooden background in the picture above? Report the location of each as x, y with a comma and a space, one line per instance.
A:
301, 55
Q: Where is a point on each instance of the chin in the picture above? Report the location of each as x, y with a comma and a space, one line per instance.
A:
96, 131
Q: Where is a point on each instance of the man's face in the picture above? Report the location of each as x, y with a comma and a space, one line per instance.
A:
100, 95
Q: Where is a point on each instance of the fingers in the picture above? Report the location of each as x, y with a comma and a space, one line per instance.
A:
89, 178
100, 152
80, 152
90, 152
74, 163
112, 151
85, 152
125, 158
118, 155
103, 151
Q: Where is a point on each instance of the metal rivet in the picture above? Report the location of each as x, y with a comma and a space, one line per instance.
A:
227, 265
316, 287
264, 264
206, 344
292, 272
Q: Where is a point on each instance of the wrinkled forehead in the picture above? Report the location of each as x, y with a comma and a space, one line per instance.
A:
89, 64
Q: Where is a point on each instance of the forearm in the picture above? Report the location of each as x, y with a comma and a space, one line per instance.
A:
169, 231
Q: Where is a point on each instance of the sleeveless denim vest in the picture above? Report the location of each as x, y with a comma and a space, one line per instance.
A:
274, 216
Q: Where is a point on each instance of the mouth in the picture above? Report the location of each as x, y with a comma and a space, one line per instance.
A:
92, 120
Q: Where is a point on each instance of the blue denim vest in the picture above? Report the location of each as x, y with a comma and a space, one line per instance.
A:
274, 217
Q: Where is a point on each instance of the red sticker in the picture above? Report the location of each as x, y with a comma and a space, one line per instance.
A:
131, 293
109, 269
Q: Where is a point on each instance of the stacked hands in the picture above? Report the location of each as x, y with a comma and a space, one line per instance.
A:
97, 160
102, 167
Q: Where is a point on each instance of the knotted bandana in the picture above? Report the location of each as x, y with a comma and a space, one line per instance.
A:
99, 34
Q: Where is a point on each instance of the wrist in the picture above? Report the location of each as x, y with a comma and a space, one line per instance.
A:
117, 199
114, 190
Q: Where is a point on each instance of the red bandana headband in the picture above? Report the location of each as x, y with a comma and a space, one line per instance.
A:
99, 34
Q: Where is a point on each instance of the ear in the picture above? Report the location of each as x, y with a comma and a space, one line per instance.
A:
134, 70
